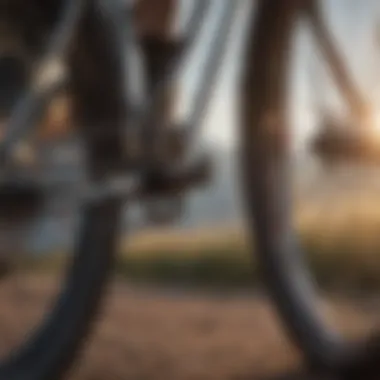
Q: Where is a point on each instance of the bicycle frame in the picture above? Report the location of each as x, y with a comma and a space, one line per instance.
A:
102, 35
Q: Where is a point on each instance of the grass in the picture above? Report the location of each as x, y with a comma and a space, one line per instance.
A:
342, 251
203, 258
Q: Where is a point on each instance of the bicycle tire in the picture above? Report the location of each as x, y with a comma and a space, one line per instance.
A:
51, 350
266, 191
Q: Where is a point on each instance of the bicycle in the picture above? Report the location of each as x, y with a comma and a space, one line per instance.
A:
85, 55
267, 163
92, 37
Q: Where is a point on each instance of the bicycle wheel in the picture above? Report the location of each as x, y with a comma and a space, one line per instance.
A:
97, 91
266, 163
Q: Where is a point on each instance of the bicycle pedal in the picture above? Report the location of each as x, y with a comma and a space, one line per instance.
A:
170, 181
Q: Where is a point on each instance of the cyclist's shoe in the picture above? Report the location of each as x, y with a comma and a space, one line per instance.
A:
168, 181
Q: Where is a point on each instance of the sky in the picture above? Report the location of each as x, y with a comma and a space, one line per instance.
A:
219, 125
352, 24
350, 21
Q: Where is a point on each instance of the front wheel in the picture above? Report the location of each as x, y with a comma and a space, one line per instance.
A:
266, 163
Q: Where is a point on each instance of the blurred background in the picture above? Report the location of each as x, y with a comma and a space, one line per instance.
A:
186, 300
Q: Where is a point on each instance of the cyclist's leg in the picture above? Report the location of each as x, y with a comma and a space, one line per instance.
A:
155, 18
155, 21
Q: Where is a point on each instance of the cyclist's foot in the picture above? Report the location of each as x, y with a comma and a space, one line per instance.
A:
168, 181
158, 55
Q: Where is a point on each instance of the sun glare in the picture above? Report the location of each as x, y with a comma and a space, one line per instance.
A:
376, 121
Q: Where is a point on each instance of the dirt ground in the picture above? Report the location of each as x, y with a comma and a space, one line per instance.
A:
146, 334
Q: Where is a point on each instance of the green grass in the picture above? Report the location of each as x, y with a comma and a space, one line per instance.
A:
342, 253
235, 267
210, 268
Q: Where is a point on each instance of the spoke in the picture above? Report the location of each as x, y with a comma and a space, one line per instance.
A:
350, 92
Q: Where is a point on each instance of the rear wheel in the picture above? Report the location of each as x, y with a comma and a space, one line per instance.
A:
97, 92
